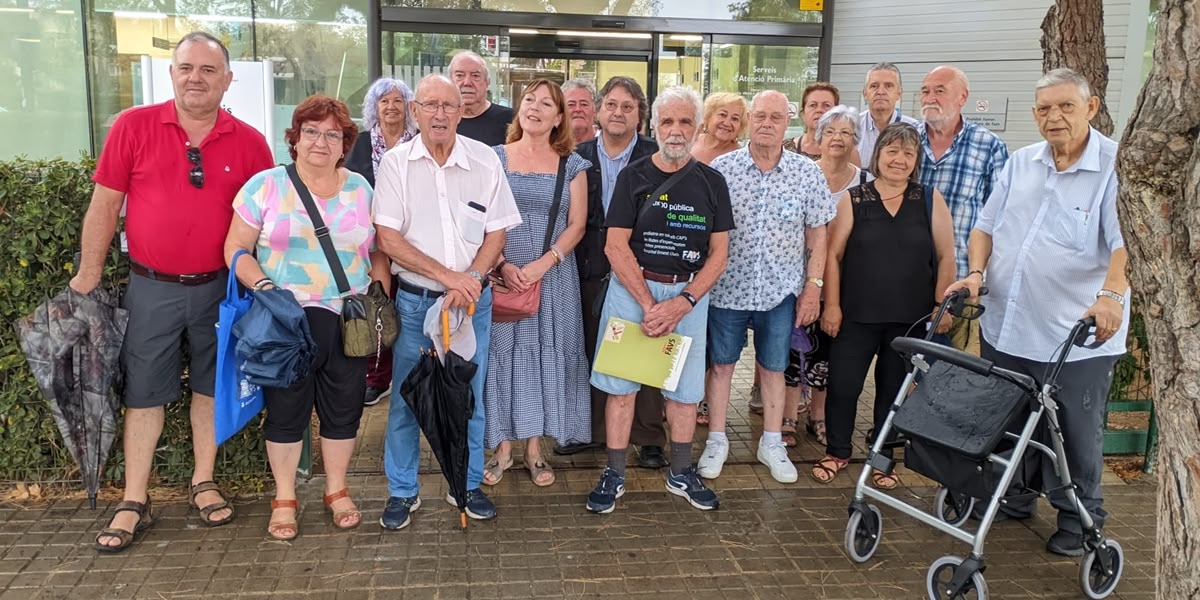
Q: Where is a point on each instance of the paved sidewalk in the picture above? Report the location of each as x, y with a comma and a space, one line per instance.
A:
767, 541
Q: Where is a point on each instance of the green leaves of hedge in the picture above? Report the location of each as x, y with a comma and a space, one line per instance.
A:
42, 205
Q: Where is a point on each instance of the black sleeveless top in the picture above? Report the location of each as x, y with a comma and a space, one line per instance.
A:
889, 268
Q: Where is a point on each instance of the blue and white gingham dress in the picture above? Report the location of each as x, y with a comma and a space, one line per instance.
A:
537, 380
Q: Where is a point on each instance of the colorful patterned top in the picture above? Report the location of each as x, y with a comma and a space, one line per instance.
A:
288, 250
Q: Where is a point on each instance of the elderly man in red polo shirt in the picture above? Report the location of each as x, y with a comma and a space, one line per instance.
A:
178, 166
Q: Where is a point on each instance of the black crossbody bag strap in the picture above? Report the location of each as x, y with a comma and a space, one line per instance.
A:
335, 264
557, 203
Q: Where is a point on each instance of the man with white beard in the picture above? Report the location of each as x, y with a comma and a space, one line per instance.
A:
668, 242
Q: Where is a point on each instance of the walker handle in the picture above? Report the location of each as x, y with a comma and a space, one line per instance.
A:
970, 362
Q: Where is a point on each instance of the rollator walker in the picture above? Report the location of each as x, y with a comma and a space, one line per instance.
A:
958, 429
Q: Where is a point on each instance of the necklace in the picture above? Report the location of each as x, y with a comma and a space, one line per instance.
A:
892, 197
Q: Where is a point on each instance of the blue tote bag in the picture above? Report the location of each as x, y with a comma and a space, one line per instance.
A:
236, 399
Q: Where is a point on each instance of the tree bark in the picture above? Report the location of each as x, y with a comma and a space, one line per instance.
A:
1073, 36
1159, 202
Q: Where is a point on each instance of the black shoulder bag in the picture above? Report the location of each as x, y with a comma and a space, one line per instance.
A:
369, 321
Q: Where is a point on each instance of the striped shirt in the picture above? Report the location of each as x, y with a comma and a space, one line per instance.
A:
964, 175
1053, 235
868, 133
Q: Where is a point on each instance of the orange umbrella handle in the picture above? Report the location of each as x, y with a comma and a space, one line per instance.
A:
446, 330
471, 310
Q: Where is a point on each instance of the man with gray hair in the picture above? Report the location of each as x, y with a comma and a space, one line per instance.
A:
580, 96
781, 205
185, 152
882, 93
668, 239
1057, 198
961, 160
480, 119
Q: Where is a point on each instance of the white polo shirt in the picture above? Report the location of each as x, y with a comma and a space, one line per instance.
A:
1053, 235
443, 211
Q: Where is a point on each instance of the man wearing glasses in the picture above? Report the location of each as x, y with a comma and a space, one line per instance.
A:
623, 110
442, 210
177, 166
481, 120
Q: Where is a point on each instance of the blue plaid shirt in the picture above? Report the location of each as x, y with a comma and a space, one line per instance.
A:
965, 176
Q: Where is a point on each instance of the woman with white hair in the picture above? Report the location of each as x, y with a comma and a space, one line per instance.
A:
385, 125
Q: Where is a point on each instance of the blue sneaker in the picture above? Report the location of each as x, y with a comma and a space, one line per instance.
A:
688, 485
479, 506
603, 499
398, 513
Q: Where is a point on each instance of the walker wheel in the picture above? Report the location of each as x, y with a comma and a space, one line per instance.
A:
863, 537
941, 573
953, 508
1096, 582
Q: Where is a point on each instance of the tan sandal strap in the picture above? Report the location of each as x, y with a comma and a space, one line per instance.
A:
277, 504
338, 495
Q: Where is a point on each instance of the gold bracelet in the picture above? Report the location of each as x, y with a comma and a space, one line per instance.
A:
557, 257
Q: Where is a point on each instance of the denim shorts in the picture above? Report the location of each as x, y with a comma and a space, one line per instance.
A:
772, 334
619, 303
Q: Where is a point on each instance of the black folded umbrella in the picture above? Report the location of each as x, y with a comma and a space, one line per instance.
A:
73, 345
440, 397
274, 340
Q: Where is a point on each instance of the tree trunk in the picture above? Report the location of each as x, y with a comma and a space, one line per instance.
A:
1159, 168
1073, 36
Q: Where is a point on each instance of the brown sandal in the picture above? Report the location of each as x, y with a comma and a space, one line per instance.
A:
340, 515
788, 433
126, 538
537, 469
207, 511
827, 469
275, 529
884, 481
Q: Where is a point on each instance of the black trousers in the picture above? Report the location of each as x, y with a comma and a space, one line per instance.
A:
335, 385
849, 359
648, 427
1082, 398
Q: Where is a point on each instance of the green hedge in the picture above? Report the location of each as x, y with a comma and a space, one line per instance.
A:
42, 204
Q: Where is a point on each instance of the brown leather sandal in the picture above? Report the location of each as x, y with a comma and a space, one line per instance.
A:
827, 469
340, 515
207, 511
884, 481
276, 529
126, 538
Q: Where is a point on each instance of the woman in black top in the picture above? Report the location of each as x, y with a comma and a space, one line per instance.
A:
891, 249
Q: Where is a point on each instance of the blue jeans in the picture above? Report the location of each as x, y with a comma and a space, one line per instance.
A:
402, 447
772, 334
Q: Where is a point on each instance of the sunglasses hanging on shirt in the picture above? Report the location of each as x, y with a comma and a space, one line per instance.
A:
196, 175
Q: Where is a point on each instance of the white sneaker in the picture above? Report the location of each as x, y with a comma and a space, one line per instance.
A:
776, 458
712, 460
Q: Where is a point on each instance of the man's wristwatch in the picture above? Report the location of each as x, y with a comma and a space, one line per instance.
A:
817, 281
1111, 294
476, 274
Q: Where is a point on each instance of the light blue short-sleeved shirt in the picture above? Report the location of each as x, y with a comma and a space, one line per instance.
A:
611, 167
1053, 235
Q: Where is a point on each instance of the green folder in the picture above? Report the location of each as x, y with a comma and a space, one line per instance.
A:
628, 353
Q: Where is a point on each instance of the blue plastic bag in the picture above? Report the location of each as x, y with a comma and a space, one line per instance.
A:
236, 399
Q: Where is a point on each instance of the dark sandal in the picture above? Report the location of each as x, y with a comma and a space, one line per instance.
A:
275, 527
828, 473
339, 515
816, 428
789, 436
126, 538
884, 481
207, 511
702, 413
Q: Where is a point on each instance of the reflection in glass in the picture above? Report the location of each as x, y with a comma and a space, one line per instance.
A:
751, 68
411, 56
724, 10
41, 66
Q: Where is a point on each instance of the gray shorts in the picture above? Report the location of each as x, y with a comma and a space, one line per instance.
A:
160, 313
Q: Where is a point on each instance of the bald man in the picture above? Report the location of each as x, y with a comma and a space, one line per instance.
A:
481, 120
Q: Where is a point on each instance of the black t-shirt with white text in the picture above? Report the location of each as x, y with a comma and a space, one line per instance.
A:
490, 127
671, 234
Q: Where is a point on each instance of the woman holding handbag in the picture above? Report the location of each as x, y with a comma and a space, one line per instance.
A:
272, 220
537, 381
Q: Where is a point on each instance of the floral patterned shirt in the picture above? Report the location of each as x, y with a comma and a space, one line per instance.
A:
771, 211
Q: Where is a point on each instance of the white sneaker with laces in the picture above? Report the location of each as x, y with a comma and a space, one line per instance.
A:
712, 460
775, 456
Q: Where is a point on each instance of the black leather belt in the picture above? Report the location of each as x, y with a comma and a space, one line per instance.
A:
420, 291
192, 279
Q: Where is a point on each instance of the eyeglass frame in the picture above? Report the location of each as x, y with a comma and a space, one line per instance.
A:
431, 108
196, 174
312, 134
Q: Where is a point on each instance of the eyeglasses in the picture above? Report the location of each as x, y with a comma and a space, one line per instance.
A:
431, 108
611, 106
311, 134
196, 175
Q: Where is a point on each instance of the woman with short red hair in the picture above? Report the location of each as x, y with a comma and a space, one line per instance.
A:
270, 221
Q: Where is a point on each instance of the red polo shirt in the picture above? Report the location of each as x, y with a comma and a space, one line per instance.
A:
172, 226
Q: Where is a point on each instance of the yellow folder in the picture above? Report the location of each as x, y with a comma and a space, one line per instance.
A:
628, 353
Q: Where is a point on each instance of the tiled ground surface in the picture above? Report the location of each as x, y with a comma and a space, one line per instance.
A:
767, 541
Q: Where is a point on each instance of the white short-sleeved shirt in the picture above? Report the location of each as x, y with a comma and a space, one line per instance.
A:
1053, 235
444, 211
